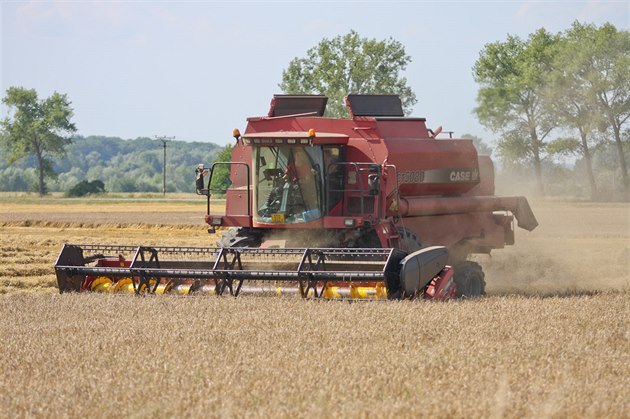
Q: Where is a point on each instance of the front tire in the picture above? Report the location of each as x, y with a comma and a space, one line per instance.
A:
239, 237
409, 241
470, 280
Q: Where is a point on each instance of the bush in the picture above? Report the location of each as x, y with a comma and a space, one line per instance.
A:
86, 188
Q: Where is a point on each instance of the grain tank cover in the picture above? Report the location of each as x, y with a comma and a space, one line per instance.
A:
283, 105
375, 105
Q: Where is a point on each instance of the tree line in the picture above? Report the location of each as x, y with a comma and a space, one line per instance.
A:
120, 165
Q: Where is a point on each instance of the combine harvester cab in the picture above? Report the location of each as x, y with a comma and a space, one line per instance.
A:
360, 207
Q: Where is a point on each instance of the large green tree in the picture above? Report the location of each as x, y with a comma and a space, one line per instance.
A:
570, 100
36, 127
601, 66
513, 76
350, 64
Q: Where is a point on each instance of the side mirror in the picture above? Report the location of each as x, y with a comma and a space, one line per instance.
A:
200, 172
373, 184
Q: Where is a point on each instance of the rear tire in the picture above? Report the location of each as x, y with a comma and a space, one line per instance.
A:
470, 280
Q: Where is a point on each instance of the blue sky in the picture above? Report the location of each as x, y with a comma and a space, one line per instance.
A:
196, 69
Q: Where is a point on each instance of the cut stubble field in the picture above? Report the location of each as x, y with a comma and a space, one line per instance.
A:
551, 339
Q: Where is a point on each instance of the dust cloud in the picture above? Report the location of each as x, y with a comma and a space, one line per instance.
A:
578, 248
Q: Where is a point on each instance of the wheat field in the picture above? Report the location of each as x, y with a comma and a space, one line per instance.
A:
551, 339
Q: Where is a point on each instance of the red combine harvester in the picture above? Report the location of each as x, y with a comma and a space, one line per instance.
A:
373, 206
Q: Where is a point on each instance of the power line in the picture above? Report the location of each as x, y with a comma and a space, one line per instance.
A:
164, 140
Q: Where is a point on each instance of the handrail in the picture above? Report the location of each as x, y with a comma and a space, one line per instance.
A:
249, 183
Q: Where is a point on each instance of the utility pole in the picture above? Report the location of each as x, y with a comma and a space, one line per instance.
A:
164, 139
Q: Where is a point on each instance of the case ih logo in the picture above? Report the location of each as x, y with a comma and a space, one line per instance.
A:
464, 176
439, 176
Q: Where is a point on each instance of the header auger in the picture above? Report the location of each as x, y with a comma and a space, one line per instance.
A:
370, 206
